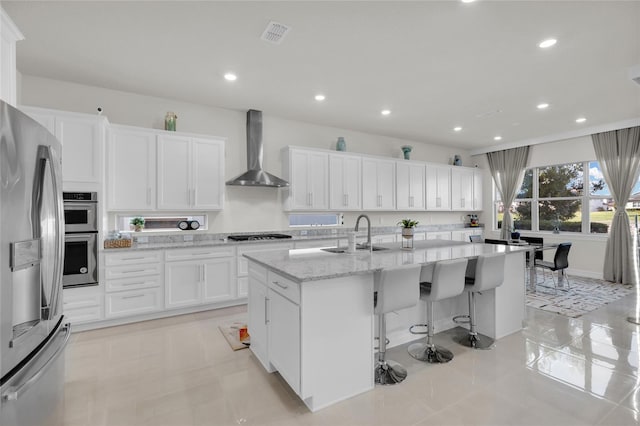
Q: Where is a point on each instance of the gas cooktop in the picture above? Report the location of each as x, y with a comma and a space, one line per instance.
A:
258, 237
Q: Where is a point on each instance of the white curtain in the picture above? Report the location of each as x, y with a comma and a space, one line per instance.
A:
507, 168
618, 153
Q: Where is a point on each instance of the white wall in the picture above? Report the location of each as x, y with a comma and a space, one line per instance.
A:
246, 209
587, 252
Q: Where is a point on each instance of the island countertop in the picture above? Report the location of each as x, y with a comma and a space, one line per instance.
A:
315, 264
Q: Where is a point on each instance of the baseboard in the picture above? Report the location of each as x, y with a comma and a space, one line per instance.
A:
585, 274
155, 315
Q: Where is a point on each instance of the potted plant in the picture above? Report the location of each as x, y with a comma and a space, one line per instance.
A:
407, 227
138, 223
515, 235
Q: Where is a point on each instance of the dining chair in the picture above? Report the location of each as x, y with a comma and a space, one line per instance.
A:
492, 241
475, 238
559, 264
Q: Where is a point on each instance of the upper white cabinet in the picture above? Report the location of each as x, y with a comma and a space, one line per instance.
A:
190, 173
438, 187
9, 35
410, 184
307, 172
477, 189
461, 188
131, 172
82, 137
378, 184
345, 182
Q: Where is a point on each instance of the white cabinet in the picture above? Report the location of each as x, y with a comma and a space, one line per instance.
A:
439, 235
410, 185
258, 320
131, 171
190, 173
284, 337
307, 172
345, 182
9, 35
477, 189
378, 184
83, 304
274, 323
82, 137
206, 277
463, 234
461, 188
133, 283
242, 264
438, 187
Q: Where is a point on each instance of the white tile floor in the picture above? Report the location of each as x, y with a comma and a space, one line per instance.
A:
180, 371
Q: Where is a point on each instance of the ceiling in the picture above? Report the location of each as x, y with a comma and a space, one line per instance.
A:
435, 65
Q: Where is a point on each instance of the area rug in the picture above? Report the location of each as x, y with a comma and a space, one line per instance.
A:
231, 332
585, 295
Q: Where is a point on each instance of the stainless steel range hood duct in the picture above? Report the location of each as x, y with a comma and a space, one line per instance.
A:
255, 176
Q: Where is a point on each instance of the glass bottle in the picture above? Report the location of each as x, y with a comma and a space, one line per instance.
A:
170, 121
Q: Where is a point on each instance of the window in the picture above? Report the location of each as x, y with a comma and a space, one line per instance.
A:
569, 197
160, 223
317, 219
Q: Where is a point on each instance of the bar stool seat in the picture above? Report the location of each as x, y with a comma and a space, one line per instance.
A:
487, 275
396, 288
447, 281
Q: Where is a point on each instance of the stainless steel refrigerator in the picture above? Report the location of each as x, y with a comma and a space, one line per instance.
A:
33, 334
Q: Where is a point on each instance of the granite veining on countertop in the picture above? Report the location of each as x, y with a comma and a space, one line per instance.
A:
177, 240
316, 264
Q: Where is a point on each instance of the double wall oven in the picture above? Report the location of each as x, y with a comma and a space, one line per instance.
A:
81, 239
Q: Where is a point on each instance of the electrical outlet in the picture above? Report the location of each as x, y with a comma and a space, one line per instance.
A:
303, 232
142, 240
188, 237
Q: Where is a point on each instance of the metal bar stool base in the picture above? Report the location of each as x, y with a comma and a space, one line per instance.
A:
477, 341
389, 373
430, 353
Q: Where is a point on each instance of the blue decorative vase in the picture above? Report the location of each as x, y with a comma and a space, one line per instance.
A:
457, 161
406, 150
341, 145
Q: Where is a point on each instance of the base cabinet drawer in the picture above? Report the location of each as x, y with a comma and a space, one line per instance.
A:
133, 283
133, 302
82, 305
116, 272
132, 258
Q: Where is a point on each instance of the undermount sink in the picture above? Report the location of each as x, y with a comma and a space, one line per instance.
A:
344, 249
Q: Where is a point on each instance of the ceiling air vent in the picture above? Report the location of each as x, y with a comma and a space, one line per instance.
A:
275, 32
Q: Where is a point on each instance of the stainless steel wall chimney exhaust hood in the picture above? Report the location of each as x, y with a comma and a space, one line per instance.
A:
255, 176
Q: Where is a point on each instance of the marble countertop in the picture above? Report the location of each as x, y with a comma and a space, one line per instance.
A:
315, 264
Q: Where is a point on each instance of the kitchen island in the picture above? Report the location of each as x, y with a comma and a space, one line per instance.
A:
311, 311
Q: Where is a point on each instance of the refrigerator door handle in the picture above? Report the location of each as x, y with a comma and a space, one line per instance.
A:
14, 392
47, 154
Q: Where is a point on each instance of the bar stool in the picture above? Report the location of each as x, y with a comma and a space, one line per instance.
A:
396, 288
447, 281
489, 274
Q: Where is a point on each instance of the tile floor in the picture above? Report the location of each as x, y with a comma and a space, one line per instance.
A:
180, 371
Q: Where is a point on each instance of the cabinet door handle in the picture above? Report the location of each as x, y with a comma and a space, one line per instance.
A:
133, 296
347, 203
266, 308
283, 286
133, 283
311, 197
462, 202
438, 201
133, 271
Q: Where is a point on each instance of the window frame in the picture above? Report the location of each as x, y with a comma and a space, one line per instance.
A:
585, 199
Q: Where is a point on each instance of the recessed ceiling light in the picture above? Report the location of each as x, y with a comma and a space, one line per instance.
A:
385, 112
230, 76
468, 1
547, 43
497, 138
457, 129
320, 97
581, 120
543, 106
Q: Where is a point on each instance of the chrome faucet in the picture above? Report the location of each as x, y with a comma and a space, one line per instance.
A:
368, 243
